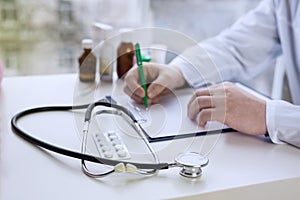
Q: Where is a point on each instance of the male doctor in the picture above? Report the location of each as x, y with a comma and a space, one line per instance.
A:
240, 53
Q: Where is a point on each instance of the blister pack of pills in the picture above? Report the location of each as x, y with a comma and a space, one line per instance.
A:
111, 146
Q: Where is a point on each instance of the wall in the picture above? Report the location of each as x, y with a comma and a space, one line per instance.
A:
43, 36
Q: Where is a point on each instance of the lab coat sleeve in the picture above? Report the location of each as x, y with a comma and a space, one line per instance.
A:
238, 53
283, 122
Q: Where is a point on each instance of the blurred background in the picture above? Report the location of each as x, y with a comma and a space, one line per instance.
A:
44, 37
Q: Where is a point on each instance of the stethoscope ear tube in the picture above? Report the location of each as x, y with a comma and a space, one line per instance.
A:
90, 107
42, 144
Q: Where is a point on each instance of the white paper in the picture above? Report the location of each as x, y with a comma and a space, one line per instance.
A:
169, 117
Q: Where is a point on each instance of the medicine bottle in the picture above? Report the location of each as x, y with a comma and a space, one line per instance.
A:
87, 62
1, 71
107, 53
125, 53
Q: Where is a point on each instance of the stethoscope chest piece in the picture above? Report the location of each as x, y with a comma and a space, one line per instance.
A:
191, 164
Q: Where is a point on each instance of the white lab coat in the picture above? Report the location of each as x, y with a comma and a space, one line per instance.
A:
248, 48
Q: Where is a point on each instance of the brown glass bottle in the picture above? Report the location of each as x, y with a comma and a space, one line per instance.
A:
125, 58
87, 62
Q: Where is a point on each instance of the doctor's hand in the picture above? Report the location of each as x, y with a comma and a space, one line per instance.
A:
230, 105
160, 80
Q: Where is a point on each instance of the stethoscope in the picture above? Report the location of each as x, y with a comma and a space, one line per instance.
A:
191, 163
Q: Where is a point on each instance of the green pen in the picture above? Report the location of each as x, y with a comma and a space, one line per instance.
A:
141, 72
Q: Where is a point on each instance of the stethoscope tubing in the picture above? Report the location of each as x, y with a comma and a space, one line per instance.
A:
42, 144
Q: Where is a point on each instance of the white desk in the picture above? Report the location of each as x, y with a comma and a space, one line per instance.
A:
241, 167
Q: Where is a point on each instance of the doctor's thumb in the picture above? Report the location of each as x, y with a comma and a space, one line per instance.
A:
155, 89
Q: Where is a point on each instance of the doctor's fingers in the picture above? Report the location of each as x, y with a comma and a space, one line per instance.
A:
210, 114
133, 94
203, 102
132, 85
159, 87
138, 98
215, 90
202, 92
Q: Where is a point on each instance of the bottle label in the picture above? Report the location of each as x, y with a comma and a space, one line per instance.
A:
88, 69
104, 67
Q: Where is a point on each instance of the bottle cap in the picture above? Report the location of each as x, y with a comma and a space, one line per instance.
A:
103, 26
105, 30
87, 43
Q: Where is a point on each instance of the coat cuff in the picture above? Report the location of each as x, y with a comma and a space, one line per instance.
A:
271, 122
